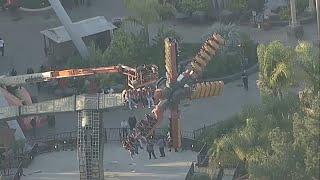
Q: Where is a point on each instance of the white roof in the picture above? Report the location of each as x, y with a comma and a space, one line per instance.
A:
85, 28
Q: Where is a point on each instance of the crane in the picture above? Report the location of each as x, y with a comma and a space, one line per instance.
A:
177, 88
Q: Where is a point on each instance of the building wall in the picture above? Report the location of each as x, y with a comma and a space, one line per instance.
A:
62, 51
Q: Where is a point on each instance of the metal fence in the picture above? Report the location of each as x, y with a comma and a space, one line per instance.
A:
190, 172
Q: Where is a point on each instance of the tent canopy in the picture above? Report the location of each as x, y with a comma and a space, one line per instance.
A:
85, 28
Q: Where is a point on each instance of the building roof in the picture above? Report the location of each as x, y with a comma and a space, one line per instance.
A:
85, 27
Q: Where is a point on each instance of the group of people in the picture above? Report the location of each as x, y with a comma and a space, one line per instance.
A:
139, 97
141, 133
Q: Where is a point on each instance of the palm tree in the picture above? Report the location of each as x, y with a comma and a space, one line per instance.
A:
146, 12
275, 68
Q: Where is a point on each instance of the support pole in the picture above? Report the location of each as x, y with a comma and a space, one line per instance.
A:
293, 13
175, 126
90, 145
68, 25
318, 18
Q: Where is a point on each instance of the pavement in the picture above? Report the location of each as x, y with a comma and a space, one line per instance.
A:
63, 165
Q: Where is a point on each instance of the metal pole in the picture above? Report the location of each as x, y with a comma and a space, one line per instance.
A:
318, 17
293, 13
68, 25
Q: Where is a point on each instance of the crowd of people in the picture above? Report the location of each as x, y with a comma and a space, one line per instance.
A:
141, 97
136, 134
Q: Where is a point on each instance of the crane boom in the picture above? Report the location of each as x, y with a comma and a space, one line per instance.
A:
69, 73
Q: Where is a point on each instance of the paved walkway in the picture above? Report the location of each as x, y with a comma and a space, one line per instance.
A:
117, 164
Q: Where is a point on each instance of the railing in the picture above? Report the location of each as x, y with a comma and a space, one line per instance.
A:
67, 104
202, 157
190, 172
19, 172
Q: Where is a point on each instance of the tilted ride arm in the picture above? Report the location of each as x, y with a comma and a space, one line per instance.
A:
69, 73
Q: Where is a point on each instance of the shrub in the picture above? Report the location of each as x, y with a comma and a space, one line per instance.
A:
190, 6
285, 14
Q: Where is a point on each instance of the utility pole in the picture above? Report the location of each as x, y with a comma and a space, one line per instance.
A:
318, 18
68, 25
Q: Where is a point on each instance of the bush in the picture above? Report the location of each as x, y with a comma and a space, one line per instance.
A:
190, 6
285, 14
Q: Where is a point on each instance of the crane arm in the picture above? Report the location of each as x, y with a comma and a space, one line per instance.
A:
51, 75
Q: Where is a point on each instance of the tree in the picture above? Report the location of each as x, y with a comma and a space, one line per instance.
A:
308, 60
306, 139
190, 6
146, 12
275, 68
126, 48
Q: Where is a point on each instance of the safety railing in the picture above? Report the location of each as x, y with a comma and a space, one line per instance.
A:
190, 172
72, 103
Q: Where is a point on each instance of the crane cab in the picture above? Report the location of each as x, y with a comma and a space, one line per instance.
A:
144, 75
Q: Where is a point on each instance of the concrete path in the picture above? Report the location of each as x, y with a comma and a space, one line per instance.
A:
117, 163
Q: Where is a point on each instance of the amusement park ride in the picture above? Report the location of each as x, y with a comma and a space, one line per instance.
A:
170, 91
90, 134
177, 88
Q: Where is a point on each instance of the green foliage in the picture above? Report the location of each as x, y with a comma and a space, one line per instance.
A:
126, 49
229, 57
306, 139
284, 14
145, 10
276, 139
308, 60
221, 128
190, 6
275, 68
166, 11
238, 5
301, 5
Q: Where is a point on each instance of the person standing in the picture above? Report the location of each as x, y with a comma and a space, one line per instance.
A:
33, 124
150, 97
132, 122
245, 80
150, 149
161, 143
2, 46
130, 99
124, 128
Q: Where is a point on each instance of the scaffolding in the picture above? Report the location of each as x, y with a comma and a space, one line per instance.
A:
90, 145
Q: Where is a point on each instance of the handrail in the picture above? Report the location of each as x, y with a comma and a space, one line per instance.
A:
67, 104
190, 172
